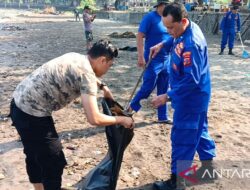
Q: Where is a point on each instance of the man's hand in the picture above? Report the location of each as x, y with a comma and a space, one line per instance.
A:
126, 122
159, 100
93, 17
141, 61
155, 50
107, 93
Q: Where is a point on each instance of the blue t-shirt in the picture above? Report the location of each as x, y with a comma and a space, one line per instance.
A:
155, 32
189, 71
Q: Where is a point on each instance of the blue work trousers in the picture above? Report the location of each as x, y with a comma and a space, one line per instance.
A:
156, 75
227, 36
190, 134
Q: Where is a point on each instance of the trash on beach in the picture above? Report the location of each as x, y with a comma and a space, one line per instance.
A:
12, 28
126, 34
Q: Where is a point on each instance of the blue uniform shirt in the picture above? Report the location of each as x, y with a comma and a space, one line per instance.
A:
229, 21
155, 32
189, 71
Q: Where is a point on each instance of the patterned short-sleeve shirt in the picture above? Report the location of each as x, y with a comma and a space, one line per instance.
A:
87, 20
55, 84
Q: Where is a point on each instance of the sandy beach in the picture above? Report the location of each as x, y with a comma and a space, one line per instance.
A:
42, 37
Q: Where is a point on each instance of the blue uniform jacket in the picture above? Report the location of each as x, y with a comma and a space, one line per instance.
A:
228, 23
189, 71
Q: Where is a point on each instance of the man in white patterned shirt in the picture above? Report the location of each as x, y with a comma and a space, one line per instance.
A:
49, 88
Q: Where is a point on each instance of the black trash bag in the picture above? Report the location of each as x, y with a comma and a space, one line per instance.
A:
104, 176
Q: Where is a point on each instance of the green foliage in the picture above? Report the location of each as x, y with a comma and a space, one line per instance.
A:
50, 2
47, 2
90, 3
222, 1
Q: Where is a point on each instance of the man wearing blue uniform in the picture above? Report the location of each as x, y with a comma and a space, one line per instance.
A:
156, 75
228, 27
189, 94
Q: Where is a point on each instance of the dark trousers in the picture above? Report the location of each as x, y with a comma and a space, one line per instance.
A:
77, 16
227, 37
44, 157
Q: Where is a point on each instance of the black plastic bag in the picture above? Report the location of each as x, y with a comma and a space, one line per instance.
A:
104, 176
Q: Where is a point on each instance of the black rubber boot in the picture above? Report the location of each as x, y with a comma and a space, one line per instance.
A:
221, 52
170, 184
230, 52
206, 172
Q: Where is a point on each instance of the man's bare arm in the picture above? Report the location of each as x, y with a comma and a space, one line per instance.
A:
95, 117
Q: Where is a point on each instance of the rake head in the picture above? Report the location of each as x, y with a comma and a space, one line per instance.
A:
245, 54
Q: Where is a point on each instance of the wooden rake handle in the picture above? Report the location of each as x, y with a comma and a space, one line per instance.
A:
137, 84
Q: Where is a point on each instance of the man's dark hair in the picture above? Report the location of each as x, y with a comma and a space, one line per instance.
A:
87, 7
103, 48
176, 10
235, 7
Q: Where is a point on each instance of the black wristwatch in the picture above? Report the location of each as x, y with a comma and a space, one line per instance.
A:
102, 85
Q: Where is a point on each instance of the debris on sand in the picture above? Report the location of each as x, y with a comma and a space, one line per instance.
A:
126, 34
3, 118
2, 176
128, 48
50, 10
12, 28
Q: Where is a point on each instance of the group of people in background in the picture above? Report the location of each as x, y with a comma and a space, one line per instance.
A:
177, 55
230, 26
